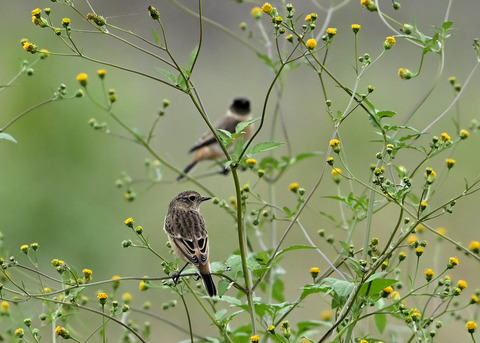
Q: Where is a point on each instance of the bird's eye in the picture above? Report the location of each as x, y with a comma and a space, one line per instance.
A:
191, 198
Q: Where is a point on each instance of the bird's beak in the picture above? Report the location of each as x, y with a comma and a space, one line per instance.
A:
205, 198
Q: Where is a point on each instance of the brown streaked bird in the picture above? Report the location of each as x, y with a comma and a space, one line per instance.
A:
207, 147
187, 233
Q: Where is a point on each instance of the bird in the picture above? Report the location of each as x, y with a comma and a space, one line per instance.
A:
207, 147
187, 233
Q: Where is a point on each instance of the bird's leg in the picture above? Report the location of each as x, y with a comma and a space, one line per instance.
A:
176, 276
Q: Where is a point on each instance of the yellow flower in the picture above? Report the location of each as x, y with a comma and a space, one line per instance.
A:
116, 281
126, 298
19, 333
24, 248
423, 205
389, 42
404, 73
101, 73
452, 262
336, 172
251, 162
294, 187
388, 289
335, 145
62, 332
311, 44
474, 246
45, 53
450, 163
271, 329
129, 222
308, 18
412, 239
36, 12
267, 8
66, 22
430, 175
429, 274
464, 134
356, 28
87, 273
255, 339
419, 251
395, 296
420, 228
331, 31
445, 137
314, 271
474, 299
326, 315
471, 326
462, 284
143, 286
102, 297
363, 341
4, 308
441, 230
369, 5
256, 12
30, 47
82, 78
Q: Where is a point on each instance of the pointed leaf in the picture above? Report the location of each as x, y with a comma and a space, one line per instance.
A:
155, 36
242, 125
192, 57
277, 290
381, 321
264, 146
168, 75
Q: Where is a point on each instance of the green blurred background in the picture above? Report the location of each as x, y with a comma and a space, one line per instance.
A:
58, 183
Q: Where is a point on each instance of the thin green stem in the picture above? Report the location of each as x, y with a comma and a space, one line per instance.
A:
188, 317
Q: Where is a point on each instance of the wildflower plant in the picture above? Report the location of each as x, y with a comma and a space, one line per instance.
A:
372, 264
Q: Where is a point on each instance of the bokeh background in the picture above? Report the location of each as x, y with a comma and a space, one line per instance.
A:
58, 183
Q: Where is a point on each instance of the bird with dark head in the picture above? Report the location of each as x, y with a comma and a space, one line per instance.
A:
187, 233
207, 147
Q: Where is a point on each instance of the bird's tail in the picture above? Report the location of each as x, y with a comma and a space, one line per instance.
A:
209, 284
187, 169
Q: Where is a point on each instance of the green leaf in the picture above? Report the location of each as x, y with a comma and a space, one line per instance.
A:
181, 82
264, 146
219, 314
292, 247
342, 288
168, 75
242, 125
446, 25
192, 57
373, 288
314, 288
231, 300
383, 114
277, 290
263, 257
381, 321
155, 36
267, 60
225, 135
238, 148
7, 137
222, 287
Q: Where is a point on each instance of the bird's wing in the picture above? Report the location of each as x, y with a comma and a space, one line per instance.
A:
227, 123
189, 234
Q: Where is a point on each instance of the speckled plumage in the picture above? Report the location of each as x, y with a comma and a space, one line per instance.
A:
187, 233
